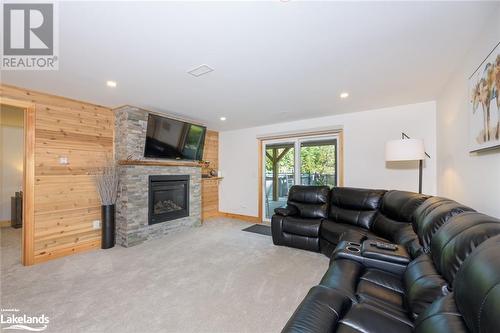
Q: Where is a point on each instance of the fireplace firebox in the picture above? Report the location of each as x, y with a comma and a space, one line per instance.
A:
168, 198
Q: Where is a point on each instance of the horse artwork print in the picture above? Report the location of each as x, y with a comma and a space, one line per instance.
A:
484, 85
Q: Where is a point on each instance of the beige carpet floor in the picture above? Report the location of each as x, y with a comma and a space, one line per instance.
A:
215, 278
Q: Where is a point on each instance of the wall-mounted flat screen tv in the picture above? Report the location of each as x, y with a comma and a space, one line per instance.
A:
174, 139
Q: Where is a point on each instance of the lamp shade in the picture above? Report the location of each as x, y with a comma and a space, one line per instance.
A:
405, 150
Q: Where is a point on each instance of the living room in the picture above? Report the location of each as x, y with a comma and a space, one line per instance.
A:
253, 166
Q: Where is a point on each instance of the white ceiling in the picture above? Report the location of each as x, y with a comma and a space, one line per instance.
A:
273, 61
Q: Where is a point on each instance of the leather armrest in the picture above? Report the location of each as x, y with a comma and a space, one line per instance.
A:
320, 311
286, 211
399, 256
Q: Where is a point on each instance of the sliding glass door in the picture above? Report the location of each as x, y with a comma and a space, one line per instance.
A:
318, 162
301, 160
279, 174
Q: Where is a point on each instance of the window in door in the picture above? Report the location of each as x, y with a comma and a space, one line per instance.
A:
279, 174
318, 162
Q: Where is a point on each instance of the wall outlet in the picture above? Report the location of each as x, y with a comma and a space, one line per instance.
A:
63, 160
96, 224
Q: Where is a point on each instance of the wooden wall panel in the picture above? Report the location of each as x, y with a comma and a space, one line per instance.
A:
210, 198
211, 149
65, 198
210, 187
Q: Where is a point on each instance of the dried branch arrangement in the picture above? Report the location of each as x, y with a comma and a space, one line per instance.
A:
106, 179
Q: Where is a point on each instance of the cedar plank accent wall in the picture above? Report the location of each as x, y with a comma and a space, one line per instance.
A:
66, 200
210, 187
211, 150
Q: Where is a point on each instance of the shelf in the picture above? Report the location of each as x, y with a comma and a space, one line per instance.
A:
212, 178
160, 163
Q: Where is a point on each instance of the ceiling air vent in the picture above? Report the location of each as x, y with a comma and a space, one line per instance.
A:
201, 70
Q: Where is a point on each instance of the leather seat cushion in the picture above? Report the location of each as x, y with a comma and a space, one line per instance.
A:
384, 279
332, 231
386, 297
335, 232
367, 318
301, 226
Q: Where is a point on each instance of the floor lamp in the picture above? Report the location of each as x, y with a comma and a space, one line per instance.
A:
407, 149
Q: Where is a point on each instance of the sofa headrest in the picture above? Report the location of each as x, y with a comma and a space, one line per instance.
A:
456, 240
309, 194
433, 214
477, 288
355, 206
356, 198
401, 205
311, 201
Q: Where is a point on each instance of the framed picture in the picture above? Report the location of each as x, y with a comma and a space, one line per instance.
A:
484, 105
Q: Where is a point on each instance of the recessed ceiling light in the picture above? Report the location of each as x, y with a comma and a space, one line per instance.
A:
344, 95
201, 70
111, 84
222, 118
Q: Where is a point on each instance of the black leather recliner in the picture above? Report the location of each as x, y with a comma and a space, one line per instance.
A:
316, 218
297, 224
361, 292
354, 298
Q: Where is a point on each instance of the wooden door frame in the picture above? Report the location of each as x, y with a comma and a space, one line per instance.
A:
28, 226
340, 155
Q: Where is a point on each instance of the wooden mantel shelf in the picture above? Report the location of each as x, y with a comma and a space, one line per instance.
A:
160, 163
212, 178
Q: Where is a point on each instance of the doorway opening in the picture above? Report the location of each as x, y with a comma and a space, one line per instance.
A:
11, 182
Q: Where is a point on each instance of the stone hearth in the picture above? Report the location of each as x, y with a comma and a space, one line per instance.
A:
132, 226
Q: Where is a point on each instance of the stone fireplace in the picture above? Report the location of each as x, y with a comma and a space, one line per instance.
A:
156, 197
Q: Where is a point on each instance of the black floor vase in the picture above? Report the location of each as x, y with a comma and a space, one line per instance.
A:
108, 226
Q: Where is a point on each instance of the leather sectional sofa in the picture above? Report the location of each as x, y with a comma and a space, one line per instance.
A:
399, 261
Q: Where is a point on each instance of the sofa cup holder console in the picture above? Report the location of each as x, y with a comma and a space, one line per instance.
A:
390, 257
353, 248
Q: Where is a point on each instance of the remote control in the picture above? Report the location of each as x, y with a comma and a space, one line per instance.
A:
385, 246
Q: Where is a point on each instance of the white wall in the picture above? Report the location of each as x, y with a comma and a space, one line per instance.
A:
11, 173
365, 134
473, 179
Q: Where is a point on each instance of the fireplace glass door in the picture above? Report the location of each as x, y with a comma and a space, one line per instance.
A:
168, 198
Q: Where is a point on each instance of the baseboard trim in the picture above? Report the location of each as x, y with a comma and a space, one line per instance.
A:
246, 218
